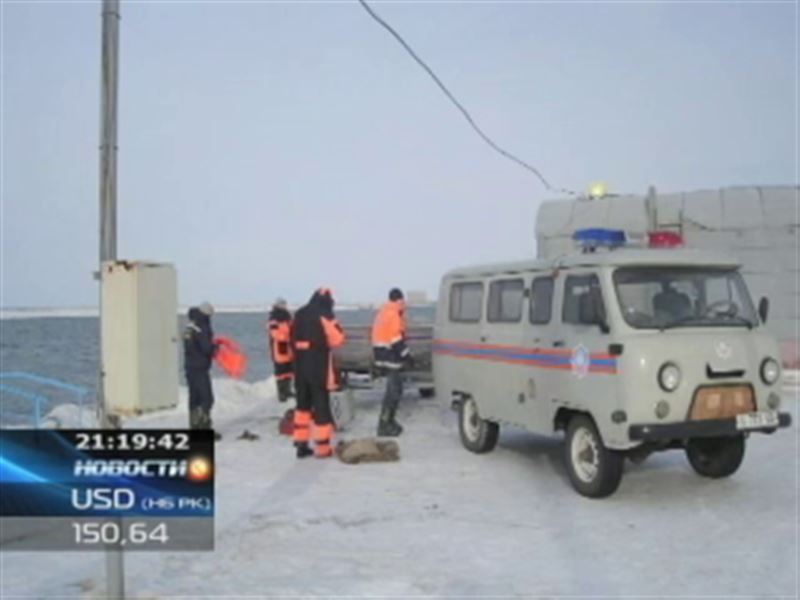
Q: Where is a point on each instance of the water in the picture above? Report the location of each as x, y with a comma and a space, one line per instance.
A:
66, 348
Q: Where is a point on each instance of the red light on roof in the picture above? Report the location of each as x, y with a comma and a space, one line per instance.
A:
664, 239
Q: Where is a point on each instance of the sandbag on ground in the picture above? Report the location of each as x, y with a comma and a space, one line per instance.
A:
367, 450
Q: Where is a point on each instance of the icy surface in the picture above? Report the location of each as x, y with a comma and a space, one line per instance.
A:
446, 522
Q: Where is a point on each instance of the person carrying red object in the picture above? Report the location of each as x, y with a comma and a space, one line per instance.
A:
199, 350
230, 357
315, 334
280, 345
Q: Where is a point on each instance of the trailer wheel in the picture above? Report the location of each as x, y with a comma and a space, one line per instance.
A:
716, 457
594, 470
477, 435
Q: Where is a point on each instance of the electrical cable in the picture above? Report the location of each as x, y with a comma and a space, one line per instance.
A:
492, 144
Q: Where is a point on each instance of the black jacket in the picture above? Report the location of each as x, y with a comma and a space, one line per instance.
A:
198, 341
312, 353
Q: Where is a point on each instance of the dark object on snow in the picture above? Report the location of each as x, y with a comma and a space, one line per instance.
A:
248, 435
303, 450
387, 426
286, 424
367, 450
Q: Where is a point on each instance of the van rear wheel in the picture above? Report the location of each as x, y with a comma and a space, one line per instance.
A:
594, 470
716, 457
478, 435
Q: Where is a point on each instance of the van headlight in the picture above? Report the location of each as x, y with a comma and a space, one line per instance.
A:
770, 371
669, 377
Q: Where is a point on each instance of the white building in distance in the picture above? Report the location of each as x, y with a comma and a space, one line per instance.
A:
758, 225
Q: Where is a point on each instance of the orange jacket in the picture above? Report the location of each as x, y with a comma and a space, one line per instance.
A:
389, 336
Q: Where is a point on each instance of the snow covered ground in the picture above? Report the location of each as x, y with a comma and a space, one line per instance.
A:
444, 522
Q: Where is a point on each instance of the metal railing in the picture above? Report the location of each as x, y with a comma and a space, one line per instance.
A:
19, 377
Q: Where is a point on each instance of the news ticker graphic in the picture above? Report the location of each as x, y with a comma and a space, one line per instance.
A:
144, 489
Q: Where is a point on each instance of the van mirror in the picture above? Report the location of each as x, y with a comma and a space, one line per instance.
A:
763, 308
592, 311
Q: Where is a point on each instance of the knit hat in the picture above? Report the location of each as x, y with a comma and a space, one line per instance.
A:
395, 294
206, 309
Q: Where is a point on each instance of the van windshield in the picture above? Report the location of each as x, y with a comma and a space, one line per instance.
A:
667, 297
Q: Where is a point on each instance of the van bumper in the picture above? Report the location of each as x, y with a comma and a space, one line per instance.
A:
652, 432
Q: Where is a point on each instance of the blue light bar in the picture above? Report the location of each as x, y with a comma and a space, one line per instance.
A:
598, 237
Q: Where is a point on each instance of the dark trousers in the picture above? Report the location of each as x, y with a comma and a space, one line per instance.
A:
393, 393
201, 398
313, 398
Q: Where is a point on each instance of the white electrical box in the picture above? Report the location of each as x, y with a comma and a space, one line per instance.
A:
139, 332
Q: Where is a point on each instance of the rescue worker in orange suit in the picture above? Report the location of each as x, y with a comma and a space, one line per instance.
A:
391, 354
280, 337
315, 334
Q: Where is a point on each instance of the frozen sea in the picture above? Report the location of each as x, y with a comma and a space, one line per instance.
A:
63, 345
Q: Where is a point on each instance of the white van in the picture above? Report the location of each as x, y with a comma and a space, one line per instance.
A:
627, 350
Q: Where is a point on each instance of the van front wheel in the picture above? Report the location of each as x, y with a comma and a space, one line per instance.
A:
477, 435
594, 470
715, 457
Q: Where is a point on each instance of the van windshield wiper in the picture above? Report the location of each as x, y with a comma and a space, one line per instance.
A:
742, 320
680, 321
711, 323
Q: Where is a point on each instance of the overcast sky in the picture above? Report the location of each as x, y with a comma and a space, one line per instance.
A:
270, 148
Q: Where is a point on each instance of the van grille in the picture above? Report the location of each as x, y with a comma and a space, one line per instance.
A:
721, 402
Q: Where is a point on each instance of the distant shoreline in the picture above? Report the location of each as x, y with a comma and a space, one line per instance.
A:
10, 314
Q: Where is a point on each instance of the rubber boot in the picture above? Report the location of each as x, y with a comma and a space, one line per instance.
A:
303, 450
387, 426
284, 389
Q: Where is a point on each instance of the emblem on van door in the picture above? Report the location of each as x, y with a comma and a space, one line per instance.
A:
580, 361
724, 351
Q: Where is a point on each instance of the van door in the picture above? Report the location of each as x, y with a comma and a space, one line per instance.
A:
539, 334
502, 343
587, 373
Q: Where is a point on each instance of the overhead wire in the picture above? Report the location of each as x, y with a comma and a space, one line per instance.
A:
492, 144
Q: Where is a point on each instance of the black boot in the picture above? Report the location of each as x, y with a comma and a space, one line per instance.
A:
303, 450
387, 426
284, 389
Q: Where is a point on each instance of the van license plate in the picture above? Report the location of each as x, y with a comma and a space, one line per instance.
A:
757, 420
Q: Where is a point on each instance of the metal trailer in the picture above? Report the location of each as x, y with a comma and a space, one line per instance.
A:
354, 359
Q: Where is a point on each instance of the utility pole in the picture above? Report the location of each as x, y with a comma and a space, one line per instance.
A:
115, 572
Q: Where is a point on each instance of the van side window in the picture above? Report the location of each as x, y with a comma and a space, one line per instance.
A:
541, 300
505, 300
574, 288
466, 302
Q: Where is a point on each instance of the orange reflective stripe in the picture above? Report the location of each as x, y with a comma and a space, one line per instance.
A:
302, 423
302, 345
280, 333
323, 433
323, 451
302, 417
332, 383
285, 376
333, 332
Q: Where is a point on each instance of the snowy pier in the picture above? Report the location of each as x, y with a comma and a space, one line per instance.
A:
445, 522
